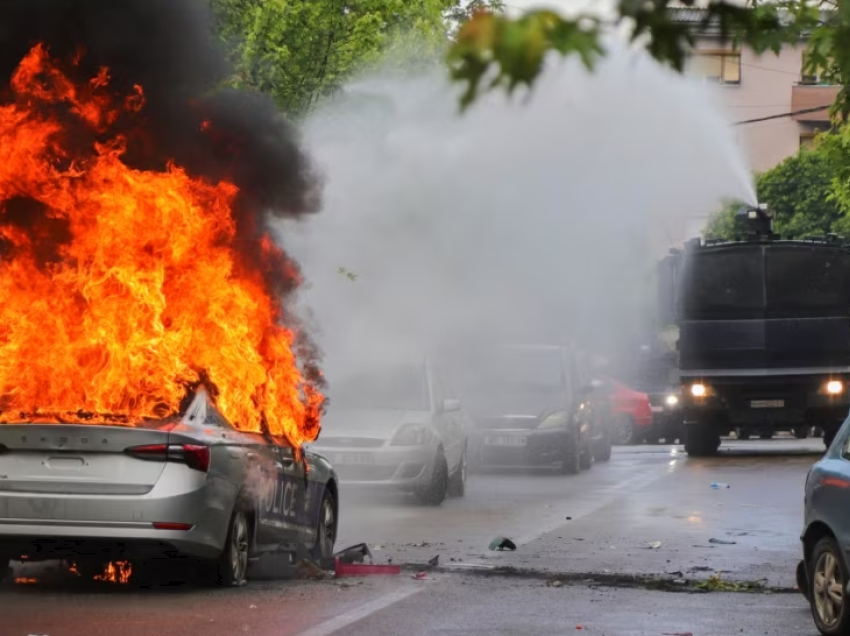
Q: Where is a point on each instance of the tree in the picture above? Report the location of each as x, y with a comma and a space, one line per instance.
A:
299, 51
513, 49
801, 193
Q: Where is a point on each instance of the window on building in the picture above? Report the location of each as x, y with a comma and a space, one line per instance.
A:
723, 67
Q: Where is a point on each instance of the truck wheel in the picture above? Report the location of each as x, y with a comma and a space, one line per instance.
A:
766, 435
742, 433
701, 440
801, 432
828, 436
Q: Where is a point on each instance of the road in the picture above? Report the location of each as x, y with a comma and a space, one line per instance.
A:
623, 549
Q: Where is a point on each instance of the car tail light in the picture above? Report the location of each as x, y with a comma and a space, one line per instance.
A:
165, 525
194, 456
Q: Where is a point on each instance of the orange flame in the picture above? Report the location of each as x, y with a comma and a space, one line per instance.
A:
146, 297
24, 580
116, 572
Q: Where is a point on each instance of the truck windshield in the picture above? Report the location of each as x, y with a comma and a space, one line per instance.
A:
755, 282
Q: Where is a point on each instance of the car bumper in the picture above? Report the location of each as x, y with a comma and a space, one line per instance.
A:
541, 448
403, 468
45, 526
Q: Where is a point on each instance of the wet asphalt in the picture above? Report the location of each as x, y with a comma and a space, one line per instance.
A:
625, 548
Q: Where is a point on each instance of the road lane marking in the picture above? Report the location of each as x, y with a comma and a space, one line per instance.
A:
358, 614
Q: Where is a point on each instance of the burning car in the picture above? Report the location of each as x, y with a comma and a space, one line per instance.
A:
398, 427
528, 403
191, 486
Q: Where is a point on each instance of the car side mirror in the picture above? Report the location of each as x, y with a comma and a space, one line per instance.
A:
451, 405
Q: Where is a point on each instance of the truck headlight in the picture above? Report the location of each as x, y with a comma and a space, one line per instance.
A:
671, 400
834, 387
698, 390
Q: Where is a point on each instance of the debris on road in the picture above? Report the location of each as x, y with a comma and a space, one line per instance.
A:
719, 485
354, 554
360, 569
722, 541
309, 571
420, 576
435, 561
554, 583
502, 543
677, 633
654, 545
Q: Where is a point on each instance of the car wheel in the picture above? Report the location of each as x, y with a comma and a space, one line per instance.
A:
326, 528
233, 562
571, 461
585, 457
457, 484
624, 430
602, 448
828, 597
435, 492
742, 433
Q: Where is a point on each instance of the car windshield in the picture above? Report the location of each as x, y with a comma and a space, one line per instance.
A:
512, 378
394, 388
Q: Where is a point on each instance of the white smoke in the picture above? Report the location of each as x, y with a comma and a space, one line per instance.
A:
537, 219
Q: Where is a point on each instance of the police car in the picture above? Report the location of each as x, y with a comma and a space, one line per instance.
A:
191, 486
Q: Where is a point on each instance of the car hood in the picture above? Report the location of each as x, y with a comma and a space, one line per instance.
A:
371, 423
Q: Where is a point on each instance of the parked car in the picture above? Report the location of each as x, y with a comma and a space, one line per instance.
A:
399, 427
191, 486
630, 412
528, 405
823, 573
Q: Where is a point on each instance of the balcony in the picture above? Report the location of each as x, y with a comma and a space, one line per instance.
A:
805, 96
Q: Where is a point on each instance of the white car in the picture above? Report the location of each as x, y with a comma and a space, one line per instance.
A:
397, 427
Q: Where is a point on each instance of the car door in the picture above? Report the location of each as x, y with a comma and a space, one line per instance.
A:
283, 496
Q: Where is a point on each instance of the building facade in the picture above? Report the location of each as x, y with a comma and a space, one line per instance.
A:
759, 86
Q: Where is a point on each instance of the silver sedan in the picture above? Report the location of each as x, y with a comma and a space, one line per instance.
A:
397, 427
191, 487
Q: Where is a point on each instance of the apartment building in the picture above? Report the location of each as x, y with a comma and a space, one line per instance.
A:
757, 86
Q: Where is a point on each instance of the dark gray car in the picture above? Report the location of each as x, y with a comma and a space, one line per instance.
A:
823, 574
191, 486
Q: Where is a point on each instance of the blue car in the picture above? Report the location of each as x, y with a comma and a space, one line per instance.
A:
823, 575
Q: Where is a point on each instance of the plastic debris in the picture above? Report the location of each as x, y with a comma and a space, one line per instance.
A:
555, 583
361, 569
719, 485
420, 576
654, 545
502, 543
722, 541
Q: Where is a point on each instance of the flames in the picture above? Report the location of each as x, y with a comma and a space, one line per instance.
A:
121, 289
116, 572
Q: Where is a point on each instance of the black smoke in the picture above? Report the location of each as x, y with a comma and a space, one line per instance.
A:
168, 47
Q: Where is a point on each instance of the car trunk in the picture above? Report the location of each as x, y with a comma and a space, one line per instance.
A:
79, 459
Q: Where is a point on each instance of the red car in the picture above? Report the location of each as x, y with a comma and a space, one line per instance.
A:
631, 413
